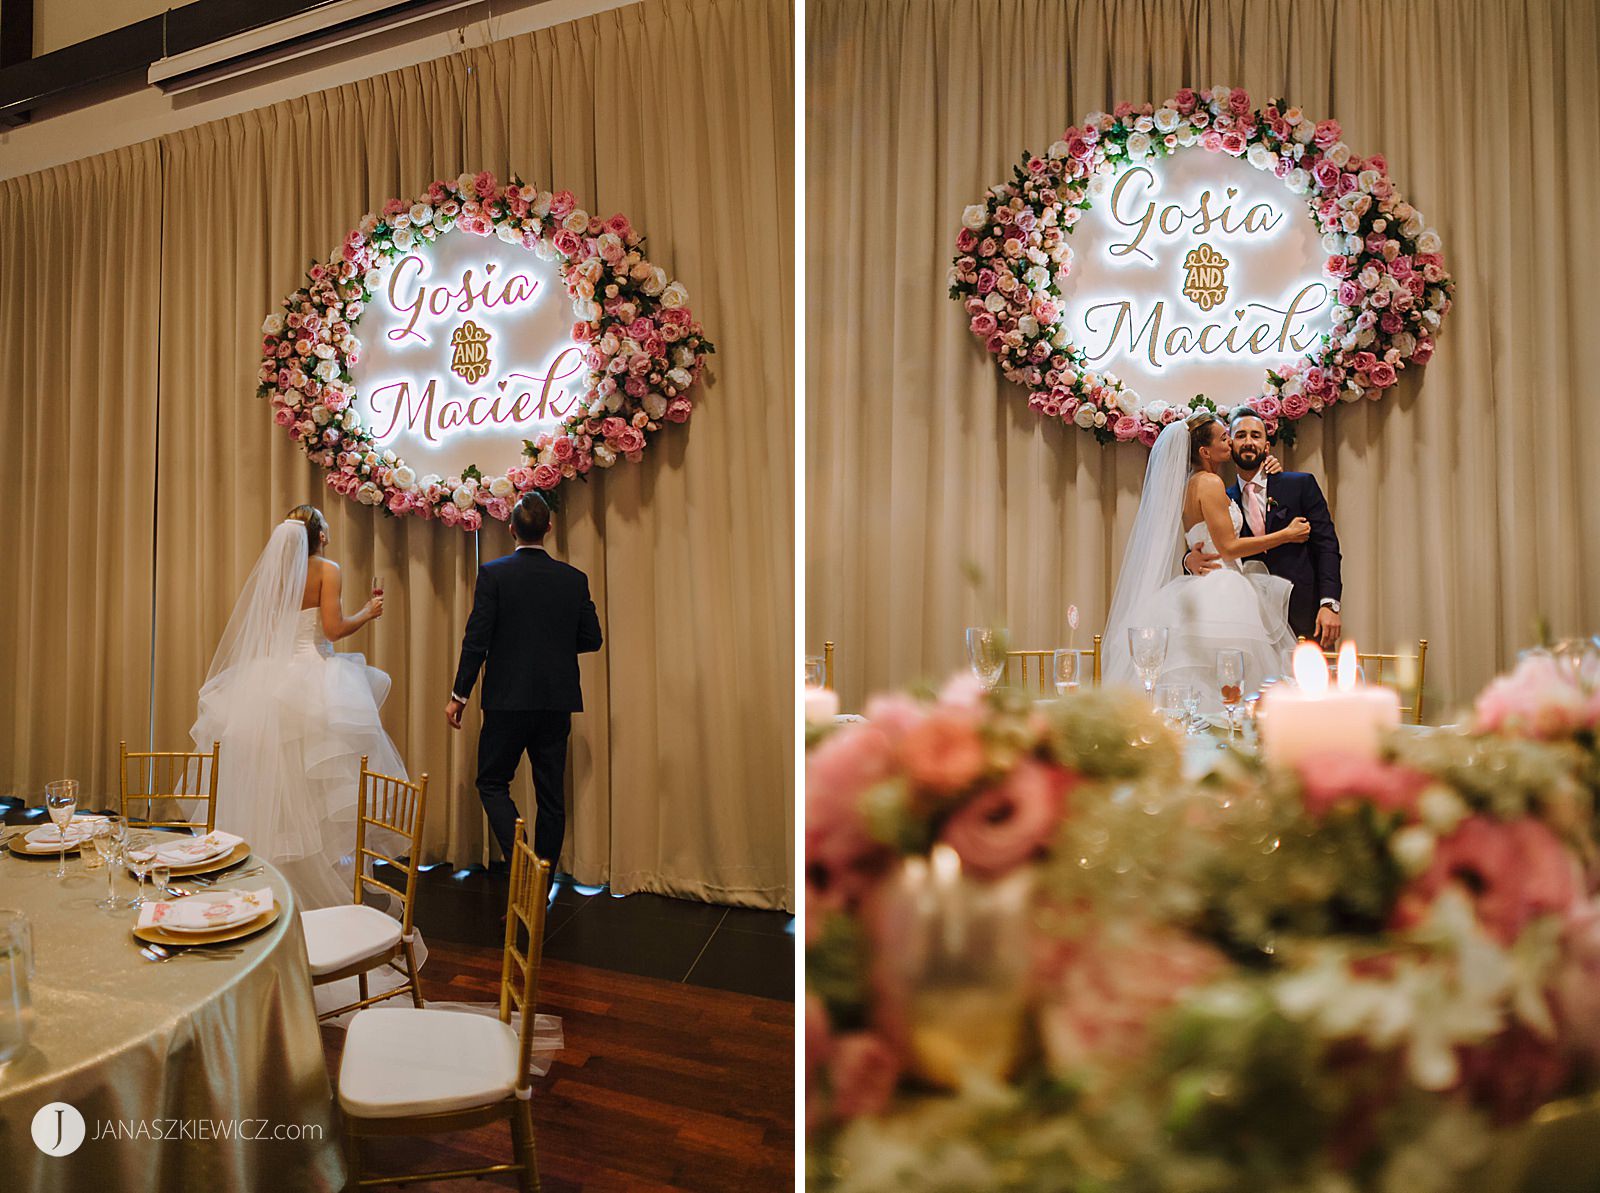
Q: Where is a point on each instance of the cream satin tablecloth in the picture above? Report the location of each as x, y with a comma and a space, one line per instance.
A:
130, 1042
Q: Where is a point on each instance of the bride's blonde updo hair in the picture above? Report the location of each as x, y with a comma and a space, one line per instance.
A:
316, 525
1200, 434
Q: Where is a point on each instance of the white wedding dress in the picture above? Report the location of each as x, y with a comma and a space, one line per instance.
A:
295, 718
1238, 606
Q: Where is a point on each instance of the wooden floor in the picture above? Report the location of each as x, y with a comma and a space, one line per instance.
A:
662, 1087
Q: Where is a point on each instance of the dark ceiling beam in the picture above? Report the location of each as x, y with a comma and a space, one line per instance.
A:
16, 32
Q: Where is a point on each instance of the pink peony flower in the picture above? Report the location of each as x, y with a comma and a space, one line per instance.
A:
471, 520
546, 476
1239, 102
1326, 133
1011, 821
1537, 700
678, 410
1125, 427
1100, 995
1514, 872
984, 325
944, 752
1331, 779
1383, 374
843, 860
449, 514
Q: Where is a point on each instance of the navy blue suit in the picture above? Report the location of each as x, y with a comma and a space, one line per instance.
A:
531, 619
1312, 566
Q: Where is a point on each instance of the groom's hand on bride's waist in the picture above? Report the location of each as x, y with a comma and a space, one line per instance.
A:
1198, 562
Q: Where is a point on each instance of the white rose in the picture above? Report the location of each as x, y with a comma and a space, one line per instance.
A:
604, 456
1167, 119
1368, 179
462, 497
541, 205
1413, 225
507, 233
1156, 411
369, 494
326, 370
1404, 343
404, 477
1099, 186
1187, 136
682, 357
1261, 157
1428, 242
293, 398
1138, 146
1368, 277
1441, 809
1084, 417
576, 221
272, 325
1037, 278
1062, 338
1365, 336
1332, 243
974, 216
1338, 153
323, 352
680, 378
431, 480
1099, 418
674, 296
1354, 246
1304, 131
404, 238
421, 214
586, 309
996, 302
371, 278
655, 282
1297, 180
464, 184
1350, 222
1128, 401
1057, 151
501, 487
351, 419
654, 405
1028, 326
403, 220
613, 402
544, 250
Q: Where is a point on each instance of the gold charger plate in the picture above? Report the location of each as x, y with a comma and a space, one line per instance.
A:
21, 849
232, 858
157, 935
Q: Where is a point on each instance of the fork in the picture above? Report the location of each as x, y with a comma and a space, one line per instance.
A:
205, 880
154, 952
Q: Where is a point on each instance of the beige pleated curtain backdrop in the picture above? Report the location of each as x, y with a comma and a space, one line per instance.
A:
1466, 505
676, 112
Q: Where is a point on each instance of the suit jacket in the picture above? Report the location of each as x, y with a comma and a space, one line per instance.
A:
1312, 566
531, 619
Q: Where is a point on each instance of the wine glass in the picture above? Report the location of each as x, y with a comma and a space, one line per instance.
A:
1191, 704
160, 875
1230, 683
1148, 646
816, 671
1172, 702
986, 655
61, 800
108, 844
1064, 670
377, 585
140, 854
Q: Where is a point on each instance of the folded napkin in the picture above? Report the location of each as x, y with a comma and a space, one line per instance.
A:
189, 851
78, 828
212, 909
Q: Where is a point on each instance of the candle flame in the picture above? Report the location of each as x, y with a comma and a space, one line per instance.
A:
946, 864
1310, 669
1347, 667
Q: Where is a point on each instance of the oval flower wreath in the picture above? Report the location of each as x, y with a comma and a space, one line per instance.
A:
643, 349
1386, 264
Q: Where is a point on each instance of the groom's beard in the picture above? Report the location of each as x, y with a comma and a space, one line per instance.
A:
1247, 461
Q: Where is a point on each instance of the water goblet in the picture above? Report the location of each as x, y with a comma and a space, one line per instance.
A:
108, 845
61, 801
986, 655
140, 854
1148, 646
1064, 665
1172, 702
816, 671
1191, 702
1230, 683
160, 876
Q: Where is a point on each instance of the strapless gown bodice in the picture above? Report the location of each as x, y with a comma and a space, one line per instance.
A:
309, 638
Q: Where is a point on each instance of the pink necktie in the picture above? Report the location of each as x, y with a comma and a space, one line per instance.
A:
1252, 508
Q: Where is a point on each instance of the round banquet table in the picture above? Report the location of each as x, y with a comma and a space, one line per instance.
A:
189, 1074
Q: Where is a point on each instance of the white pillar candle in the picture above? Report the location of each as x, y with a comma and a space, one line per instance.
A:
1309, 720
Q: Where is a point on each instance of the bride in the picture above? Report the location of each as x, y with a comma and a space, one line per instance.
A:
1238, 606
293, 716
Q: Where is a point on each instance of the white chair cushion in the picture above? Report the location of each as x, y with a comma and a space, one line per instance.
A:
404, 1061
341, 936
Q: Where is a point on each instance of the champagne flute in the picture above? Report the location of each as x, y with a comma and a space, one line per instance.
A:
1064, 670
377, 584
986, 655
1230, 683
141, 855
1148, 646
61, 800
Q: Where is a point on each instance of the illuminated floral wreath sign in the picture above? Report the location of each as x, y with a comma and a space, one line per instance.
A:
478, 343
1197, 270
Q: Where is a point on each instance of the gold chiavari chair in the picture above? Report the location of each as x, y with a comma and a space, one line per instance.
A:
1042, 659
353, 940
160, 777
420, 1072
1391, 670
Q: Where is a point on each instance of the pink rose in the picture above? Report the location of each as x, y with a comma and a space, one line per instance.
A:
630, 440
398, 502
984, 325
1383, 374
546, 476
1326, 174
1331, 779
1211, 141
1125, 427
843, 859
966, 241
1349, 293
567, 243
1326, 133
1148, 433
1185, 100
1424, 350
1296, 406
678, 410
449, 514
1513, 871
863, 1072
1537, 701
944, 752
562, 204
498, 508
471, 520
562, 448
1239, 102
283, 416
1267, 406
1010, 822
619, 225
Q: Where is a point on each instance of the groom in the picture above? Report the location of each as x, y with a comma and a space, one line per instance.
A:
1268, 504
531, 619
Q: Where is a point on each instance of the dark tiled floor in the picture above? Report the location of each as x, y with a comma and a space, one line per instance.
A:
679, 940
